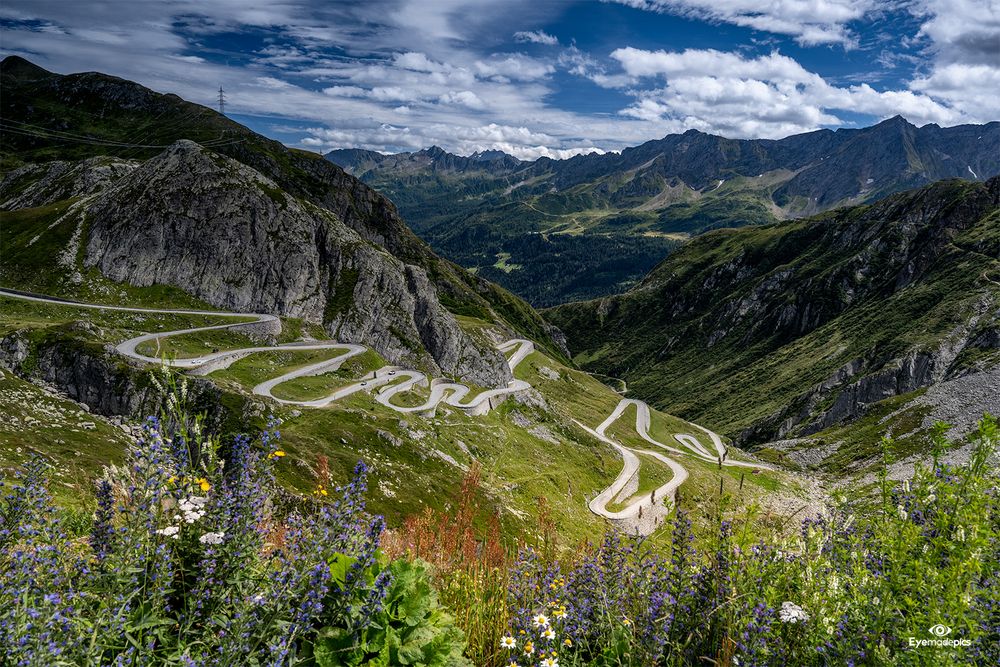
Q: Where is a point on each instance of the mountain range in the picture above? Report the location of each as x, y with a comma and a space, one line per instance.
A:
608, 219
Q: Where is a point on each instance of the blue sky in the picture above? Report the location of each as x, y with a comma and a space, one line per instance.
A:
534, 77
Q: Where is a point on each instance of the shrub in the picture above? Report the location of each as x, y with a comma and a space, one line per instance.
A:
410, 628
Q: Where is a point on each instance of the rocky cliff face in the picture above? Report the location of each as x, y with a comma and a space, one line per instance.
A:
96, 377
230, 236
33, 185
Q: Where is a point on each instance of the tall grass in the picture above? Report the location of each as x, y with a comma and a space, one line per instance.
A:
469, 565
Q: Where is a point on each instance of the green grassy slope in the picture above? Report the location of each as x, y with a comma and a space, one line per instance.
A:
528, 449
735, 329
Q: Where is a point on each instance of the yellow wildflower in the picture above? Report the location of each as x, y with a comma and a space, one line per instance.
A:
203, 484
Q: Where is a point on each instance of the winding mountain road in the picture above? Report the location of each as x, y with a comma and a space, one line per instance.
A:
641, 513
449, 393
396, 380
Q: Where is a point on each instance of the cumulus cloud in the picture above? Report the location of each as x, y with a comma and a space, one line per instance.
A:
516, 67
768, 96
404, 74
536, 37
810, 22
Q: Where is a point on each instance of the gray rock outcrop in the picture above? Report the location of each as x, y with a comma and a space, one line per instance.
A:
230, 236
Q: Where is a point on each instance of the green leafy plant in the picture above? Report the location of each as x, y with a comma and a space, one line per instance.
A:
410, 628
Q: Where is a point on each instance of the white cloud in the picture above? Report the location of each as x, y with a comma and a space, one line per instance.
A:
964, 43
810, 22
465, 98
962, 31
536, 37
404, 74
767, 96
516, 67
972, 88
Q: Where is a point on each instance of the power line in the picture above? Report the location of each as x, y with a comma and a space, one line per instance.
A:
44, 133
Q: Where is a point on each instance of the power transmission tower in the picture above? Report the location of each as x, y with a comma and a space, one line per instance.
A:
222, 101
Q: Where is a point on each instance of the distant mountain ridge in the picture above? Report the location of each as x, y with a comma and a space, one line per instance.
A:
890, 156
474, 211
359, 161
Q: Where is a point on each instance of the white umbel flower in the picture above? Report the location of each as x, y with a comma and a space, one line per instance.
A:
792, 613
193, 508
211, 538
169, 531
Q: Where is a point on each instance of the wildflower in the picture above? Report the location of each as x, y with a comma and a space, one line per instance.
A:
931, 498
560, 612
626, 622
540, 621
169, 531
568, 641
192, 508
508, 642
550, 662
203, 484
529, 648
211, 538
277, 454
960, 534
792, 613
549, 634
902, 513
